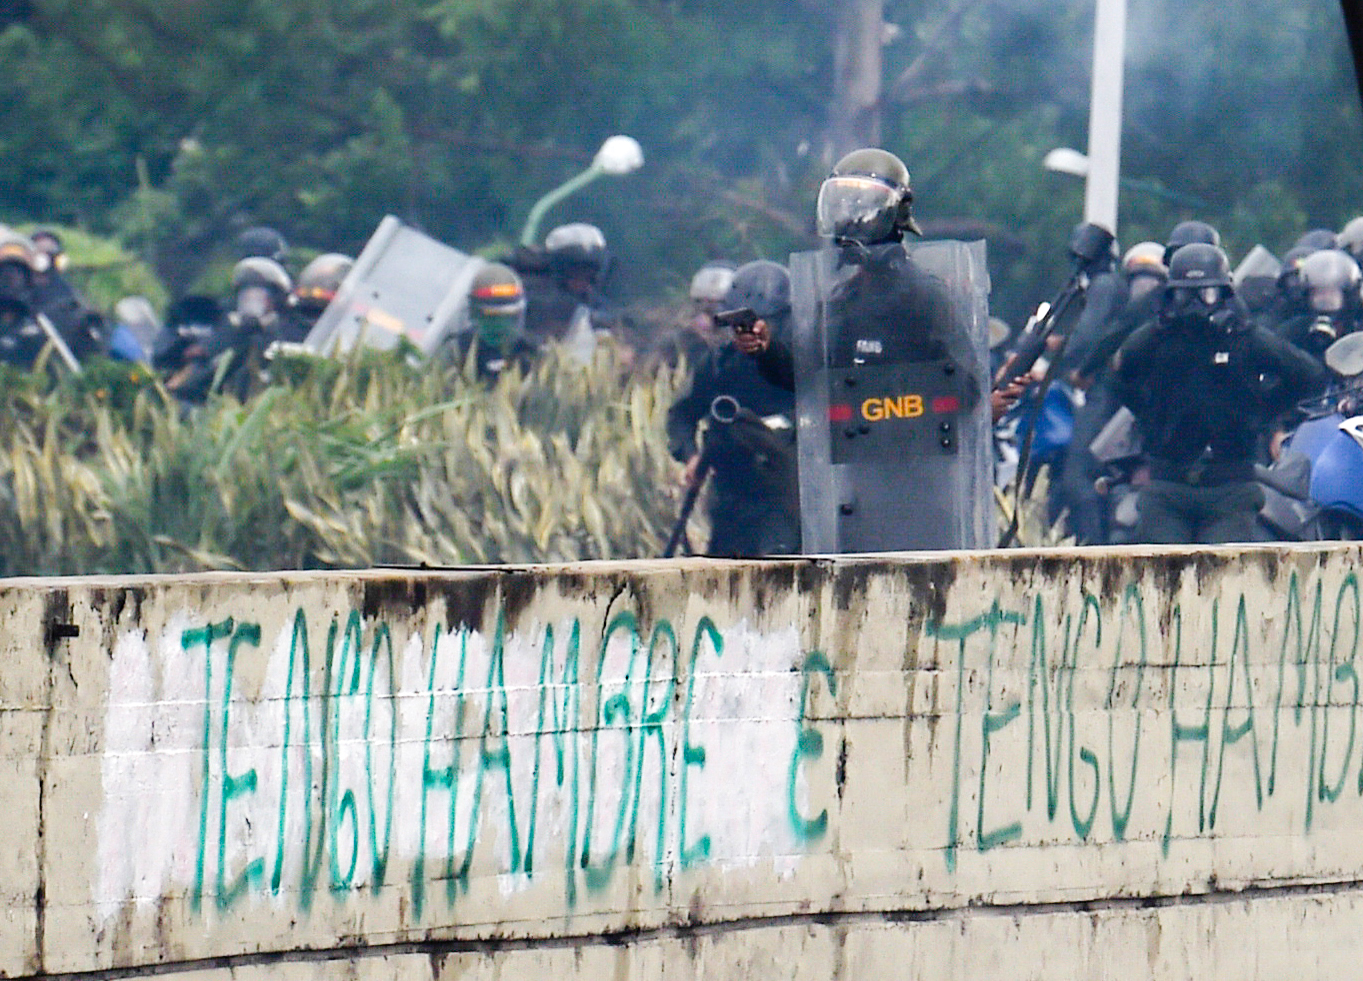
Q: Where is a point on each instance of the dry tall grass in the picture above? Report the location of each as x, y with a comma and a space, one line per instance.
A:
348, 463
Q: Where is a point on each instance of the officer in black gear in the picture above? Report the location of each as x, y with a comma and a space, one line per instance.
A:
563, 285
190, 322
1329, 281
1186, 233
81, 327
316, 287
1205, 384
1116, 307
263, 242
749, 438
261, 289
887, 309
496, 329
21, 338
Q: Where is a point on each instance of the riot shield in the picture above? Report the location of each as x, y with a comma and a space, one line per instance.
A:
894, 437
403, 285
1256, 278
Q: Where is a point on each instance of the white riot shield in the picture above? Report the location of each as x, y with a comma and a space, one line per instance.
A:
403, 285
894, 441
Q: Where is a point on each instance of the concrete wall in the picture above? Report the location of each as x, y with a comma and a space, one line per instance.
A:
1065, 764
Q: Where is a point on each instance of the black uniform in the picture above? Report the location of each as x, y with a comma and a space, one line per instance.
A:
888, 311
1204, 391
1313, 333
80, 326
489, 361
1109, 318
754, 510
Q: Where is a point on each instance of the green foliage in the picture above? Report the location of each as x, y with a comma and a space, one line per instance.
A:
171, 126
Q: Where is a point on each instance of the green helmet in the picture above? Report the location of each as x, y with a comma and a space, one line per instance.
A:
867, 199
496, 305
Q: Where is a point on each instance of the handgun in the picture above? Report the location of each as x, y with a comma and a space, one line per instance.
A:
742, 320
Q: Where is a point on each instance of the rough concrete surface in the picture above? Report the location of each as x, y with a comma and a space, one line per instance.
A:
1056, 764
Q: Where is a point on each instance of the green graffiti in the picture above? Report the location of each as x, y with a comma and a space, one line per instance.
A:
563, 727
235, 785
610, 711
298, 643
341, 805
1121, 815
961, 633
1340, 671
382, 638
1232, 734
1082, 825
992, 722
808, 746
651, 727
494, 752
693, 755
190, 639
1039, 674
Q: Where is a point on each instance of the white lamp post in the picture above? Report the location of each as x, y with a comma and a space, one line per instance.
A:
1105, 115
618, 156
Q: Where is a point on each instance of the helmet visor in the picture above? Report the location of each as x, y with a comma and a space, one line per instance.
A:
1189, 298
860, 208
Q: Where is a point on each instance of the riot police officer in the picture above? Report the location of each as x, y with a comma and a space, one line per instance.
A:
21, 337
495, 336
1205, 383
1102, 328
1187, 233
261, 288
316, 287
563, 286
749, 440
81, 327
890, 361
885, 309
1330, 282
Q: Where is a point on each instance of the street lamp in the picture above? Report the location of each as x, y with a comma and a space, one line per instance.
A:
1065, 160
618, 156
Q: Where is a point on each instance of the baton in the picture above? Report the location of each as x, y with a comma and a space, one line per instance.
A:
62, 350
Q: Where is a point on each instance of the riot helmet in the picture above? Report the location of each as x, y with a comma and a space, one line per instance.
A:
1145, 259
263, 242
16, 264
576, 249
1143, 266
1199, 279
1350, 237
1092, 247
496, 306
867, 199
260, 285
762, 286
321, 278
710, 284
48, 251
1331, 279
1186, 233
1317, 239
1289, 276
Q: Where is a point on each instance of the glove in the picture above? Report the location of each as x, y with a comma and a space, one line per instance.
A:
1232, 318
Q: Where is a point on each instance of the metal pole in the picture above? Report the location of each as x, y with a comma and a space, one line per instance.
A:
532, 222
1105, 114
